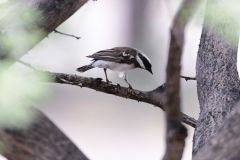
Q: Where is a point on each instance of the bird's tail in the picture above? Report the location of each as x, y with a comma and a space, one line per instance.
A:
84, 68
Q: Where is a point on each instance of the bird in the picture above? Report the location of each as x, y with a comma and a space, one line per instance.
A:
121, 59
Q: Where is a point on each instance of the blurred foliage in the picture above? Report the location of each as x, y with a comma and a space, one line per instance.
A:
18, 28
19, 91
218, 10
224, 14
224, 10
3, 2
220, 13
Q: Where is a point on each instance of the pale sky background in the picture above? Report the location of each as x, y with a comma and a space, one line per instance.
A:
107, 127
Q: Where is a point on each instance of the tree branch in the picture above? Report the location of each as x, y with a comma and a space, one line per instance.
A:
176, 132
154, 97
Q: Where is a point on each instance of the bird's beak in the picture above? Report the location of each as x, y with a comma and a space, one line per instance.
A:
150, 70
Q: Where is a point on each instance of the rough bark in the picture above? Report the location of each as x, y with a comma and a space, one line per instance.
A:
41, 141
216, 72
225, 144
52, 14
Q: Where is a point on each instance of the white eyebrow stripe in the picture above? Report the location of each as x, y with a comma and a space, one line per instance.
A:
140, 62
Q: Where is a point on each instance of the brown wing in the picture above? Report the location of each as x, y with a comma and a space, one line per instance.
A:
118, 55
107, 56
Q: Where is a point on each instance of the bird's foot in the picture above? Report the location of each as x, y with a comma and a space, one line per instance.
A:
98, 79
109, 82
118, 85
130, 87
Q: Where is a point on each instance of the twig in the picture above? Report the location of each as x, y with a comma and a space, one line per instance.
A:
155, 97
27, 65
66, 34
188, 78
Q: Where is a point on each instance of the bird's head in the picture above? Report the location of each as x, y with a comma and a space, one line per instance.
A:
144, 62
134, 55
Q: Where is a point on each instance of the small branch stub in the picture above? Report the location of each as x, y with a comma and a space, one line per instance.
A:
66, 34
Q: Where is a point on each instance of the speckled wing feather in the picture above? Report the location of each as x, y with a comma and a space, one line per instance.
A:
112, 55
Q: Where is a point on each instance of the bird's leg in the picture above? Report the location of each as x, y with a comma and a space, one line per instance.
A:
105, 72
125, 78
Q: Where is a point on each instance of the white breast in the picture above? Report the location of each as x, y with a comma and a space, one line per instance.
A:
113, 65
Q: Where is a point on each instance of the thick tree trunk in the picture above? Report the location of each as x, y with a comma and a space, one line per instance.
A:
216, 72
225, 144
